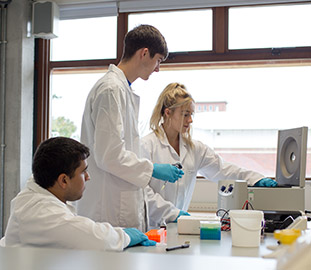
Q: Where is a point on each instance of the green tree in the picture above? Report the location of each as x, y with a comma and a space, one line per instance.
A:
63, 127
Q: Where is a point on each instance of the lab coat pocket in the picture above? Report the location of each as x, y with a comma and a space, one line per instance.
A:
190, 177
184, 189
190, 184
132, 208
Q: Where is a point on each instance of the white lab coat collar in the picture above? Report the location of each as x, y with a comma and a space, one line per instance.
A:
182, 145
121, 75
32, 185
123, 78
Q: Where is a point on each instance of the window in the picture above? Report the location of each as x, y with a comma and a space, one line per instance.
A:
181, 29
256, 92
85, 39
246, 133
69, 92
269, 27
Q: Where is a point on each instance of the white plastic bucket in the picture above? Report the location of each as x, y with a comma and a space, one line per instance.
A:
246, 227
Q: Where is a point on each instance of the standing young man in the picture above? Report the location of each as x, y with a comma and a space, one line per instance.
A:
110, 129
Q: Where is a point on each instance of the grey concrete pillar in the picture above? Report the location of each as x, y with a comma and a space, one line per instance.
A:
19, 101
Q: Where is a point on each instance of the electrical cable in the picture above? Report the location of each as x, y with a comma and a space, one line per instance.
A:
225, 218
225, 221
246, 204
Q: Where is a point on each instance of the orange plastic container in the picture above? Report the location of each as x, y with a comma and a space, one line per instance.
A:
158, 235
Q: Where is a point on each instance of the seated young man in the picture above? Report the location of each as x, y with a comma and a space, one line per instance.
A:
40, 215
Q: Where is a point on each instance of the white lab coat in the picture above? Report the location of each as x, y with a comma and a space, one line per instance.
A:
38, 218
164, 205
115, 193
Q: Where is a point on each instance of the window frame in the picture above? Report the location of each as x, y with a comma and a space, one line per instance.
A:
220, 56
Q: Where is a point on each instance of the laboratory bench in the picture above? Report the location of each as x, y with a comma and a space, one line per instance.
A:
59, 259
222, 247
202, 254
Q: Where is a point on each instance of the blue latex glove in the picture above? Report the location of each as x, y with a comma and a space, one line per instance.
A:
266, 182
138, 238
167, 172
182, 213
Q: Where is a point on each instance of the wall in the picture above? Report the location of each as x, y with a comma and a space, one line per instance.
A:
19, 101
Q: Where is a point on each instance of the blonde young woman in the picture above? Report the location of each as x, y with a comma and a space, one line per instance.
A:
171, 142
